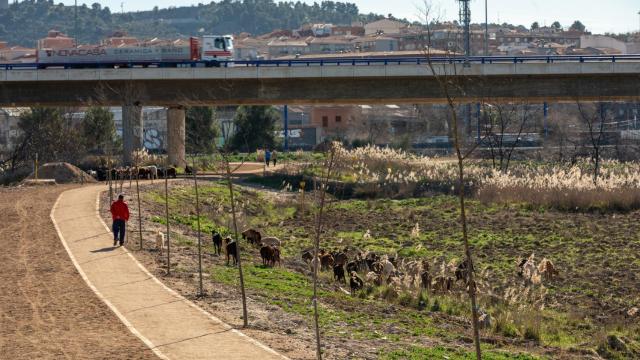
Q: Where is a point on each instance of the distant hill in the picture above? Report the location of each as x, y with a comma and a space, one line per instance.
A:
29, 20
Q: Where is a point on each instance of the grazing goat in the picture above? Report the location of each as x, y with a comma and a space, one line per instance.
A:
326, 261
373, 278
442, 284
355, 282
267, 253
231, 249
484, 320
153, 172
425, 279
273, 241
307, 256
338, 273
530, 271
547, 269
252, 236
161, 241
462, 271
217, 242
352, 266
340, 258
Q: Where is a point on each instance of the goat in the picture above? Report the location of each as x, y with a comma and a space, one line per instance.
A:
442, 284
267, 255
161, 241
307, 256
373, 278
338, 273
326, 261
217, 242
273, 241
252, 236
231, 249
355, 282
547, 269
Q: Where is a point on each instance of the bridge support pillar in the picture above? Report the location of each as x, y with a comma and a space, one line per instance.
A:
176, 135
132, 132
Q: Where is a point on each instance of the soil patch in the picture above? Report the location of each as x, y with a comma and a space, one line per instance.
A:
63, 173
46, 309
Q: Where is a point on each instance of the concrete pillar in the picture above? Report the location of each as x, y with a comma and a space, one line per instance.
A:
132, 132
176, 135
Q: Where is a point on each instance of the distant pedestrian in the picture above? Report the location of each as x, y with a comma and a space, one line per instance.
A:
274, 157
120, 216
267, 157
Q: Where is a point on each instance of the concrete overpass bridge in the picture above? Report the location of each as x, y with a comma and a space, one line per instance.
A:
320, 81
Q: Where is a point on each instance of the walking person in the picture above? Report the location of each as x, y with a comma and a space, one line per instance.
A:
274, 157
120, 216
267, 157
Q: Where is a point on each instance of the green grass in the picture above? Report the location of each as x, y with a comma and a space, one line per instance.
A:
499, 234
440, 352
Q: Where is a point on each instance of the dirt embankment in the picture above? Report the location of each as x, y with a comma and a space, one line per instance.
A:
46, 309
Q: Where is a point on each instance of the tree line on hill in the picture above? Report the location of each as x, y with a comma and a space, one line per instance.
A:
25, 22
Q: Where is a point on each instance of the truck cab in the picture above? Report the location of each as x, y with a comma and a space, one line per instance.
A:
217, 48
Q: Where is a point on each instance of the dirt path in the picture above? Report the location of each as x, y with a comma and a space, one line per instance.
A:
164, 320
46, 309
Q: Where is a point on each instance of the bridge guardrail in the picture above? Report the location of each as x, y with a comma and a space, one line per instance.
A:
345, 62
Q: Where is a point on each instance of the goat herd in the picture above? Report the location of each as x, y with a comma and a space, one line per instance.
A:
401, 275
129, 173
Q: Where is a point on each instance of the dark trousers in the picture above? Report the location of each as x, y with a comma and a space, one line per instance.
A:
274, 161
267, 160
119, 227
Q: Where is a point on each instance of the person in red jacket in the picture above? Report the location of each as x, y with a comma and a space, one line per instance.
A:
120, 216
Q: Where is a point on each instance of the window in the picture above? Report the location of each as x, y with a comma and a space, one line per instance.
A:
338, 119
219, 43
325, 121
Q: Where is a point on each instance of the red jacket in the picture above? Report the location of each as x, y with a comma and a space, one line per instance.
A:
120, 210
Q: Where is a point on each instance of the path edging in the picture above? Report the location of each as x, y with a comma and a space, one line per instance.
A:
120, 316
182, 298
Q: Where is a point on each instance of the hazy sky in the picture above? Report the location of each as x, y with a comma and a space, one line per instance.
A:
598, 15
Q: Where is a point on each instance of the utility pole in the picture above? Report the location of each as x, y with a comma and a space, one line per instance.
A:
486, 28
76, 22
465, 20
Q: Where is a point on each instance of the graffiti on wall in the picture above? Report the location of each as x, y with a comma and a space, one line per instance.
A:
153, 140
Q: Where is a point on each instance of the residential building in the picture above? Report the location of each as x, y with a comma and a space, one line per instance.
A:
347, 31
334, 121
330, 45
384, 26
286, 46
606, 42
321, 29
120, 39
376, 44
4, 4
17, 54
56, 40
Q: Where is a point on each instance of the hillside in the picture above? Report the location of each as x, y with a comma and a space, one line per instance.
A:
96, 22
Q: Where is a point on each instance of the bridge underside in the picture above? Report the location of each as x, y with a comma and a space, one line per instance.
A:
385, 90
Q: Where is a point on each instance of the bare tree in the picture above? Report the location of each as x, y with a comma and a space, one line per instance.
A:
329, 164
452, 84
503, 130
594, 118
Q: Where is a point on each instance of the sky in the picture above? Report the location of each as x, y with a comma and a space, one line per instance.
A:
599, 16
